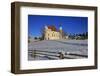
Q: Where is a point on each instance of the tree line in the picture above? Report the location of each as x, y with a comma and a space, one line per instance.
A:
80, 36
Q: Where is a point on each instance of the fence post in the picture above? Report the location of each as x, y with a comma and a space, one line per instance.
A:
34, 53
61, 55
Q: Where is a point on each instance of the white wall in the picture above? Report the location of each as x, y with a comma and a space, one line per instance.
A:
5, 32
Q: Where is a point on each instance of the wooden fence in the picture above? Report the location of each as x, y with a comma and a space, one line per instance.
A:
55, 55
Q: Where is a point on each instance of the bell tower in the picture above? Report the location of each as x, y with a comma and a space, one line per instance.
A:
61, 31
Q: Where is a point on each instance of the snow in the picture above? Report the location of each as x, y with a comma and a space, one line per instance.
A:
65, 46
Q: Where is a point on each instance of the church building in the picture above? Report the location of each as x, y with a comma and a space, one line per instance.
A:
51, 33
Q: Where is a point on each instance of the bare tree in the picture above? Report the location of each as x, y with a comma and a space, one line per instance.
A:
42, 33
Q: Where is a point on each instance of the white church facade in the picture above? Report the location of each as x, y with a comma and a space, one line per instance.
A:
51, 33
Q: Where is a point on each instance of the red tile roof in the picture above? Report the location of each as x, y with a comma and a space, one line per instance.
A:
53, 28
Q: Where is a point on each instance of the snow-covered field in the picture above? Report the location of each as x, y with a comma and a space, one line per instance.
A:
77, 47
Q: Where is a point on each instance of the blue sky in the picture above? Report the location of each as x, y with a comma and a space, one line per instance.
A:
70, 24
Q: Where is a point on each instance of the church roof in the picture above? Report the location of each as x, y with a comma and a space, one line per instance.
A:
53, 28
